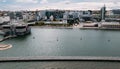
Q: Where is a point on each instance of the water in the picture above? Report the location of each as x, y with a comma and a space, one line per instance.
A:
64, 42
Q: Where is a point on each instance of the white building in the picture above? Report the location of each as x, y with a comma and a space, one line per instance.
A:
4, 19
81, 15
42, 14
28, 16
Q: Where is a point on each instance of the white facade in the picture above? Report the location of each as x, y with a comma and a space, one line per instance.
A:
6, 28
109, 13
21, 30
78, 14
51, 17
4, 19
28, 16
42, 14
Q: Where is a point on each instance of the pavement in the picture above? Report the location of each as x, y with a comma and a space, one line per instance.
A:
60, 65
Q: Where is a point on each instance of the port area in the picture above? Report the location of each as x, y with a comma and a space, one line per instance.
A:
60, 62
5, 46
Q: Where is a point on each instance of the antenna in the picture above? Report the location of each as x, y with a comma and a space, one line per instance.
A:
104, 5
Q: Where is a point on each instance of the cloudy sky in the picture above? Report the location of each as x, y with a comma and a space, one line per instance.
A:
58, 4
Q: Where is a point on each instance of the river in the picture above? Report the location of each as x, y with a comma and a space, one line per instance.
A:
64, 42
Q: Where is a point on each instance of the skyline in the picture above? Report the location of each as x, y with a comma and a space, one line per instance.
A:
14, 5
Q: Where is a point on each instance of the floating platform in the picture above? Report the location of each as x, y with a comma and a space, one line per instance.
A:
5, 47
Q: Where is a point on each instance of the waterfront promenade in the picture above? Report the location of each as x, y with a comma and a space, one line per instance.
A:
59, 58
60, 65
61, 62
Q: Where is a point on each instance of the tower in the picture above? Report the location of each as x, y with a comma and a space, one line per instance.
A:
102, 15
103, 12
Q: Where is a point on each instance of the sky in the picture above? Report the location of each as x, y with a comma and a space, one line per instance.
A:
16, 5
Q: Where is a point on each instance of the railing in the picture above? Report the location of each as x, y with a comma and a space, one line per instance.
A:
59, 58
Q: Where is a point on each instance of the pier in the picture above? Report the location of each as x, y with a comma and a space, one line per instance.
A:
5, 38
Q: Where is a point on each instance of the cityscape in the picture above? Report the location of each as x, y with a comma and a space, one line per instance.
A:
58, 34
65, 16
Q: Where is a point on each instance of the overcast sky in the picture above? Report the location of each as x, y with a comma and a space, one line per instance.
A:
58, 4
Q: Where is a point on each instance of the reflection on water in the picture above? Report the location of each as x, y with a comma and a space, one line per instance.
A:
64, 42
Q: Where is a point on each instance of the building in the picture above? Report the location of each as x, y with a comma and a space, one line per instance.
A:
78, 16
40, 15
4, 20
103, 12
16, 29
96, 15
57, 14
29, 16
113, 15
15, 15
85, 15
110, 26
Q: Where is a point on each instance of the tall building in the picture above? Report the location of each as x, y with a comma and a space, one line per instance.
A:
103, 12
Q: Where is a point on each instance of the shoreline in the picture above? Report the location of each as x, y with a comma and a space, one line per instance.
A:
72, 27
52, 27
